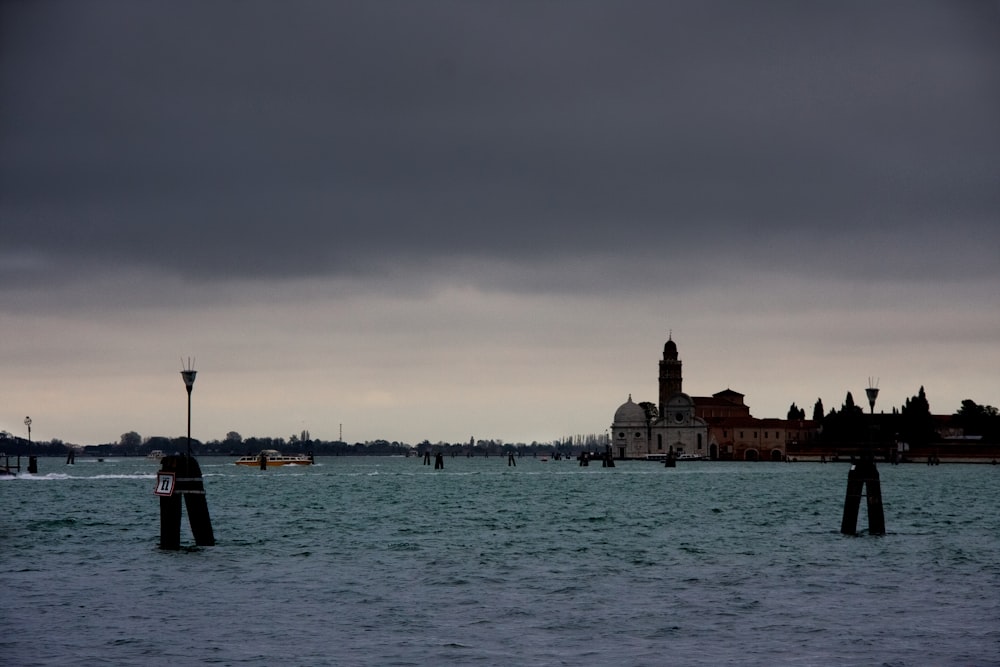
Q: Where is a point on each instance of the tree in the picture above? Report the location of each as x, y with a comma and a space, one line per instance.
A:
981, 420
818, 410
795, 413
130, 440
233, 438
845, 427
916, 424
652, 412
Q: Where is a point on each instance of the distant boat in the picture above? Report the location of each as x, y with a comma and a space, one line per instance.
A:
272, 458
156, 455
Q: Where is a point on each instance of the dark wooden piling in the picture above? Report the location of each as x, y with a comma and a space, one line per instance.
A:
170, 522
170, 503
263, 461
863, 480
180, 475
193, 488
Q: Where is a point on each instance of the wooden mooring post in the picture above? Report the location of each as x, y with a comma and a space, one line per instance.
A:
863, 480
180, 475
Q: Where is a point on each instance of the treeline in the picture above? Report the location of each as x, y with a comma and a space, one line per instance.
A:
134, 444
913, 423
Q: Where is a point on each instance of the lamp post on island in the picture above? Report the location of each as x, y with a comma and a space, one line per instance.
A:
32, 461
188, 374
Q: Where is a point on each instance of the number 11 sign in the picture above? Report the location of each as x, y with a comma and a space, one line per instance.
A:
164, 484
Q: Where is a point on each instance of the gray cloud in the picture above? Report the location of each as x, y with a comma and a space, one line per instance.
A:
441, 217
261, 139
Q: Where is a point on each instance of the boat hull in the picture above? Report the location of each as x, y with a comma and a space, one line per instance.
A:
285, 461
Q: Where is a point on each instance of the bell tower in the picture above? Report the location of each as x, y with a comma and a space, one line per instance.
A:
670, 373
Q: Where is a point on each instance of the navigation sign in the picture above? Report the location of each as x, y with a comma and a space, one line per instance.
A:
165, 484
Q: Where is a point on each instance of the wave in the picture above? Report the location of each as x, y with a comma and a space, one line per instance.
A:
58, 476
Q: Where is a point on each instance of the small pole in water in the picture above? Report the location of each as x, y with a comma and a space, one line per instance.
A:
32, 460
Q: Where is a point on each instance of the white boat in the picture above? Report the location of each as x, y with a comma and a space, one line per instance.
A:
156, 454
273, 458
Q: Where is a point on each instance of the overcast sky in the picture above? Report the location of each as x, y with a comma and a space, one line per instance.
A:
444, 220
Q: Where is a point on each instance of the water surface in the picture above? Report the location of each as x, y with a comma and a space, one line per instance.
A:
384, 561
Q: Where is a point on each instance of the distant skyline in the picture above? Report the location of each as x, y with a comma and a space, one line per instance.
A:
444, 220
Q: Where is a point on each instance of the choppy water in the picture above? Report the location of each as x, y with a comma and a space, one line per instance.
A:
382, 561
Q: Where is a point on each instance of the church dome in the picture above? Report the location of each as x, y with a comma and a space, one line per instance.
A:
630, 413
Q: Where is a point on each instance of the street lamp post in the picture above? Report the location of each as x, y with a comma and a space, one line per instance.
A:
872, 395
188, 374
32, 461
872, 392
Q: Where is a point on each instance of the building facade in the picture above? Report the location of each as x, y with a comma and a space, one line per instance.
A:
673, 426
718, 427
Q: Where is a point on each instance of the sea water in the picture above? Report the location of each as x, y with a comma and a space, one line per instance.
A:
386, 561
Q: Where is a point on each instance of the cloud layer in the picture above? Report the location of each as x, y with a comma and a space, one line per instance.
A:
411, 212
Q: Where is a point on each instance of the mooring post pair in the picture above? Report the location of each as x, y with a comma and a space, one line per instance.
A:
180, 475
671, 460
863, 480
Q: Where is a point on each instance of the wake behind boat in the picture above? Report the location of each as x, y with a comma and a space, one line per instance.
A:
272, 458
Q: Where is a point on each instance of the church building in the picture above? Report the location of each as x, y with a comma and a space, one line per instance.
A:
716, 427
669, 425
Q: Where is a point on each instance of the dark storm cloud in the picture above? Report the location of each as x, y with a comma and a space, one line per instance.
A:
249, 139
